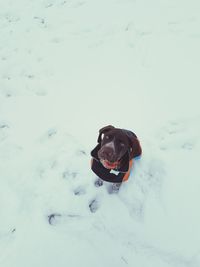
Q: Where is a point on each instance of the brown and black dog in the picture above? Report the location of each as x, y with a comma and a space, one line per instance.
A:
112, 158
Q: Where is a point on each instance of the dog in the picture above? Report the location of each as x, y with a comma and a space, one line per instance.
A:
112, 158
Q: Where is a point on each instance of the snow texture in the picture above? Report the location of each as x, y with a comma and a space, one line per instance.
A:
68, 68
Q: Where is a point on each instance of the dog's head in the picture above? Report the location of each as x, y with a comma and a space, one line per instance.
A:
114, 145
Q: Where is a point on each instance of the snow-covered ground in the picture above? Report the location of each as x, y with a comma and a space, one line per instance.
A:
68, 68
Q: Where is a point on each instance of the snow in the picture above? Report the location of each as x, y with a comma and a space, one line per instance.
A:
68, 68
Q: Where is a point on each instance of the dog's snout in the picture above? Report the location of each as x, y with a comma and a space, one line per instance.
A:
107, 154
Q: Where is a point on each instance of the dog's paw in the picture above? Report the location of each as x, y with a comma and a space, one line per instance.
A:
114, 188
98, 182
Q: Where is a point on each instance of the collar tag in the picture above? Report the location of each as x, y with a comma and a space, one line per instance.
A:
114, 172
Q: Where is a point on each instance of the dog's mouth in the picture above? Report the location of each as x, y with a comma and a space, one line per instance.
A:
110, 165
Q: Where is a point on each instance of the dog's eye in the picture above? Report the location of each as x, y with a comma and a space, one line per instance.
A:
107, 137
122, 144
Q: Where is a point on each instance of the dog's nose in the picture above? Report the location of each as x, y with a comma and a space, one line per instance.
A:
107, 154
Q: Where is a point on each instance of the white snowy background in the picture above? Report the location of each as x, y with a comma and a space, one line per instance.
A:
68, 68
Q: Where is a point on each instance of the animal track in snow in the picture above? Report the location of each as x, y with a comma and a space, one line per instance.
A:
69, 175
55, 218
4, 127
181, 135
94, 205
80, 190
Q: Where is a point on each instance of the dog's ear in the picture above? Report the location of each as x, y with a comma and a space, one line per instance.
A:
104, 130
135, 148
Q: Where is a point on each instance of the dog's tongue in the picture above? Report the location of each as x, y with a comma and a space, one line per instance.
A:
109, 165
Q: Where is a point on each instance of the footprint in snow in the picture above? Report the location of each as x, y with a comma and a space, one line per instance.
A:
178, 135
52, 218
94, 205
69, 175
52, 132
56, 218
80, 190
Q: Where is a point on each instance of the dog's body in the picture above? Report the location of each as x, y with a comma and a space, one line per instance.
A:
112, 157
